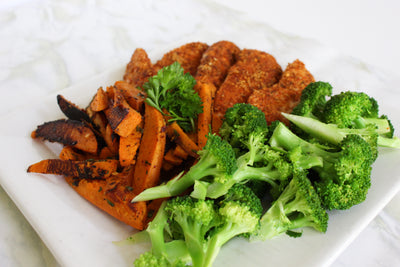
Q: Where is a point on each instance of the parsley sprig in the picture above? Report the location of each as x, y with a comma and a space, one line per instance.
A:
173, 90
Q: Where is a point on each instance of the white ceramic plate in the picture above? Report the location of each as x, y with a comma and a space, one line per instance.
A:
79, 234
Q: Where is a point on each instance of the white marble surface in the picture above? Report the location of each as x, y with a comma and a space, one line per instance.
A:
50, 45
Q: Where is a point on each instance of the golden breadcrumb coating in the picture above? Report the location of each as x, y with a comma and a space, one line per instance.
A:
215, 63
253, 70
188, 55
139, 69
285, 95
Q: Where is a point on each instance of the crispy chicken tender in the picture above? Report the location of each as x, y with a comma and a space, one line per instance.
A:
211, 73
215, 63
285, 95
253, 70
188, 55
139, 68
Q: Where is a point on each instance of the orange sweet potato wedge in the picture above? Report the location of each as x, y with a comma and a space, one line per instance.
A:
177, 135
132, 95
151, 151
114, 197
86, 169
99, 101
128, 146
68, 132
206, 93
122, 118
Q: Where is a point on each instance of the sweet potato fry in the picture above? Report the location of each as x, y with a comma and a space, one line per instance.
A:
151, 151
71, 110
111, 139
86, 169
177, 135
114, 197
69, 153
99, 101
180, 152
122, 118
139, 68
132, 95
129, 145
68, 132
172, 159
204, 119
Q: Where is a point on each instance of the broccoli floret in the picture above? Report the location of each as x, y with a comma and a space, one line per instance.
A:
163, 252
246, 129
348, 109
148, 259
360, 111
240, 122
216, 159
350, 166
195, 219
239, 212
260, 163
297, 207
313, 99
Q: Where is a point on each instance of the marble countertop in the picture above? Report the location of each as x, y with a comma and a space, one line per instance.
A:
49, 45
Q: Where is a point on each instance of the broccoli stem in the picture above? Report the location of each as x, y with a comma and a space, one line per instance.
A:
334, 135
218, 239
287, 140
243, 174
327, 132
389, 142
156, 231
193, 236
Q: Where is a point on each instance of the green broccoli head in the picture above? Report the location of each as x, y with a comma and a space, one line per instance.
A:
297, 207
313, 99
239, 210
240, 122
195, 219
345, 182
148, 259
350, 162
241, 193
346, 109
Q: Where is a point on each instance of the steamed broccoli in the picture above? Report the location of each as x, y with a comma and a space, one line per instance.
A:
261, 163
240, 123
347, 171
217, 159
313, 100
248, 130
350, 109
240, 212
195, 218
149, 259
298, 206
163, 252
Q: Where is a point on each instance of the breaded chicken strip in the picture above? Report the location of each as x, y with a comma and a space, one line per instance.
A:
253, 70
211, 73
188, 55
139, 68
215, 63
285, 95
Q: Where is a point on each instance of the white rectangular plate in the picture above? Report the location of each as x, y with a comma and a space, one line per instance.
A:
79, 234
